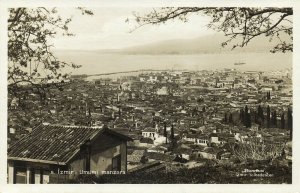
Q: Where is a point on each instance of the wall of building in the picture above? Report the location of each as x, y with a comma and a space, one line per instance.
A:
41, 171
76, 165
102, 161
10, 169
103, 149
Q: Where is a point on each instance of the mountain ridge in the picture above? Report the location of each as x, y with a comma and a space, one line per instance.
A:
210, 44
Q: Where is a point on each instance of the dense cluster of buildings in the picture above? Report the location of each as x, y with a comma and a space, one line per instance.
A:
172, 118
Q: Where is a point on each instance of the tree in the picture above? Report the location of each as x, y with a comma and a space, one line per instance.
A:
246, 109
260, 114
144, 159
282, 121
290, 122
274, 118
225, 118
172, 133
247, 117
30, 57
119, 112
242, 116
268, 116
268, 95
289, 119
256, 118
256, 150
247, 120
237, 23
230, 120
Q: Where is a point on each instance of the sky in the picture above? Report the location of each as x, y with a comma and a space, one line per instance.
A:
107, 29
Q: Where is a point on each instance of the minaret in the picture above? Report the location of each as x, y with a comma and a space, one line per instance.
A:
156, 128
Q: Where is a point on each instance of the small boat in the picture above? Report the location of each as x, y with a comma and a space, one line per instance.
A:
239, 63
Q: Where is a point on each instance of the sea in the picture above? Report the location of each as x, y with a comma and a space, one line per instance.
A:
93, 63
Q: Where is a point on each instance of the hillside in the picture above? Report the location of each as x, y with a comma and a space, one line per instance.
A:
200, 45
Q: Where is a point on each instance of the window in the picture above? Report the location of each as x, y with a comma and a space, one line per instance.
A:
46, 178
32, 176
116, 163
20, 175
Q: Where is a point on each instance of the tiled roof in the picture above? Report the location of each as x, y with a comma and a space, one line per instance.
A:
135, 156
149, 129
54, 143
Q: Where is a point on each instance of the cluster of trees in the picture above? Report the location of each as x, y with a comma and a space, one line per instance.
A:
245, 117
268, 119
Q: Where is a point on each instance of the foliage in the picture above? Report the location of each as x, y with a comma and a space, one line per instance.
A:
256, 150
30, 57
238, 23
268, 116
290, 122
222, 173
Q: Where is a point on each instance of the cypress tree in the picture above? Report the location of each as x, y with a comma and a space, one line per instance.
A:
242, 116
289, 119
256, 117
246, 117
259, 109
247, 120
246, 109
225, 118
172, 132
268, 116
268, 95
282, 121
260, 114
230, 118
274, 118
290, 123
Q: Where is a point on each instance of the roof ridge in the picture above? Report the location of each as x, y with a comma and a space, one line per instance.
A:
73, 126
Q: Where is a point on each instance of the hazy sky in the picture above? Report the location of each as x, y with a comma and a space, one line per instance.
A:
107, 29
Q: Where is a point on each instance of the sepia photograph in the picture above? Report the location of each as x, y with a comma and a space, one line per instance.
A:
150, 95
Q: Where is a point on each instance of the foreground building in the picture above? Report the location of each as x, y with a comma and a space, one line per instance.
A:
52, 153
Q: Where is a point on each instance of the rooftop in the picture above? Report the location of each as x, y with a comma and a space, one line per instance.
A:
55, 144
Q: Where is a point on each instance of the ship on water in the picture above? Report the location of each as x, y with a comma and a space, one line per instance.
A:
239, 63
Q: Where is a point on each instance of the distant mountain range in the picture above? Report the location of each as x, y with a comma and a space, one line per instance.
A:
202, 45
